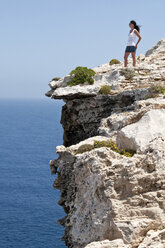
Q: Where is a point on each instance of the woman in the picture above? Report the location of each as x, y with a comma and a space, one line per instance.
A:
132, 44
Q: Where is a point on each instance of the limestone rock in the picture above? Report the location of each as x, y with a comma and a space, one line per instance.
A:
154, 239
118, 243
137, 136
158, 48
155, 103
116, 121
111, 200
111, 196
62, 82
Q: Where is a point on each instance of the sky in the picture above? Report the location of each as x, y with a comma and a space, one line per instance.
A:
42, 39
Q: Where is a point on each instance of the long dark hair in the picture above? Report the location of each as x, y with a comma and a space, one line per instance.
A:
137, 27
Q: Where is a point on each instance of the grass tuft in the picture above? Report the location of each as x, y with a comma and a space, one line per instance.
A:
105, 90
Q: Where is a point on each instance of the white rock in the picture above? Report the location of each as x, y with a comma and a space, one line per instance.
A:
81, 90
118, 243
154, 239
157, 48
111, 196
62, 82
156, 103
137, 136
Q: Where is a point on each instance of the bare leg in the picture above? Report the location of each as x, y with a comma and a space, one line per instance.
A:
126, 59
134, 58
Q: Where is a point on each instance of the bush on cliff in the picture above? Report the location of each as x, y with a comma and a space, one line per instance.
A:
80, 75
105, 90
114, 61
128, 73
155, 90
84, 148
109, 143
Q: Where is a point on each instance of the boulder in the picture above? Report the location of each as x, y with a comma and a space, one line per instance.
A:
139, 135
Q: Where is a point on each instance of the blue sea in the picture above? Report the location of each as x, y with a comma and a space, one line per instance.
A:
30, 130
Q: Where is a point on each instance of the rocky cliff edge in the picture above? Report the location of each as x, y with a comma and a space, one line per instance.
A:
111, 166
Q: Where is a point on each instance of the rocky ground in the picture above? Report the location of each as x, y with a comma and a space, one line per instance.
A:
111, 198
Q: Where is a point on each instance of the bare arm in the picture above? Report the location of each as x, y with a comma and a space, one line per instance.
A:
138, 35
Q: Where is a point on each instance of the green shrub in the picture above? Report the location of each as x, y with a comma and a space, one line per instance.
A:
127, 153
56, 79
105, 90
128, 73
114, 61
80, 75
108, 143
157, 89
154, 91
111, 144
84, 148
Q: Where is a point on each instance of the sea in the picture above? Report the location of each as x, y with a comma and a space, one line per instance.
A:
30, 130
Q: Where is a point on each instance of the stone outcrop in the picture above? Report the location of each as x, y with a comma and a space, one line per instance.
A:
139, 135
110, 199
153, 239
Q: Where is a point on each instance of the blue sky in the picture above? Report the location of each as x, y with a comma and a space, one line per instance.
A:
42, 39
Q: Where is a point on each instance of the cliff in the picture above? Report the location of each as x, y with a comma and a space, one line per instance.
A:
111, 166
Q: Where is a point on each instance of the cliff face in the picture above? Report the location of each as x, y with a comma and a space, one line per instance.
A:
112, 200
81, 117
